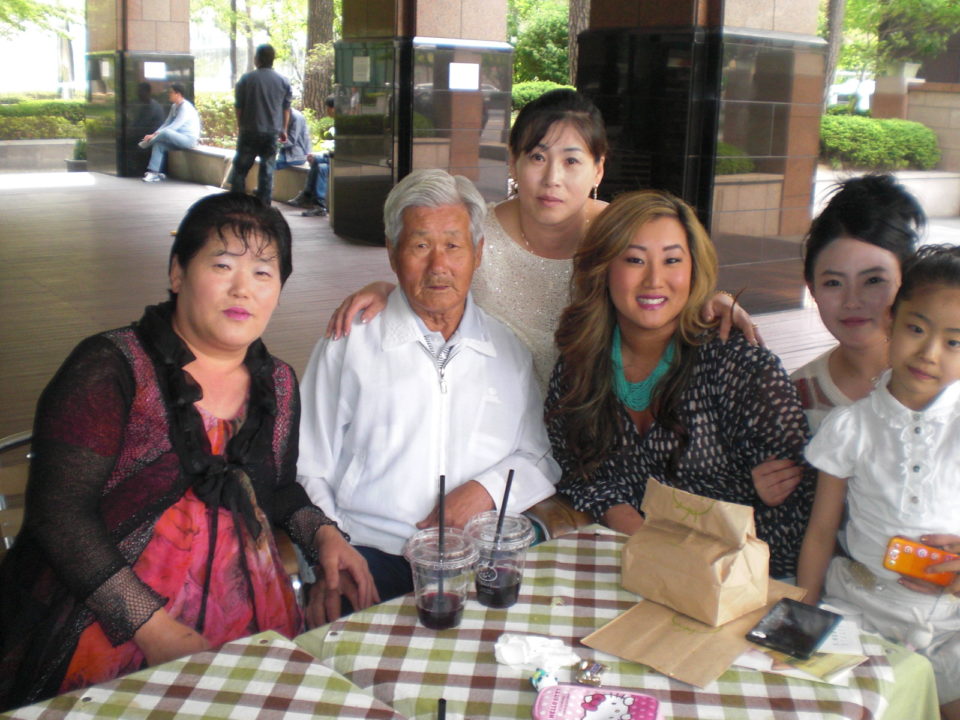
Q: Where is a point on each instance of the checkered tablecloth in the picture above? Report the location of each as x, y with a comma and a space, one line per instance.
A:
263, 676
570, 588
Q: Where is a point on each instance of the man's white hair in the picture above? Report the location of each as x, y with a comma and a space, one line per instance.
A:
432, 189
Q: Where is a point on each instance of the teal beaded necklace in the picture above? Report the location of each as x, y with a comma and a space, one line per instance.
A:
636, 396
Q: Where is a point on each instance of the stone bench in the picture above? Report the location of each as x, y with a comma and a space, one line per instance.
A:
35, 155
211, 166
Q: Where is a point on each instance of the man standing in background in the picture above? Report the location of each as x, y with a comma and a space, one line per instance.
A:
263, 114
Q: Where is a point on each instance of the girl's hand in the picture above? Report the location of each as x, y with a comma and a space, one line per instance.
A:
775, 479
950, 543
162, 639
730, 313
371, 299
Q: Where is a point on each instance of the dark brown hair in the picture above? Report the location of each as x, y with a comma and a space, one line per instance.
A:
565, 106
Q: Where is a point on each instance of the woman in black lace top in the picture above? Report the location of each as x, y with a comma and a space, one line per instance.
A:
164, 452
644, 388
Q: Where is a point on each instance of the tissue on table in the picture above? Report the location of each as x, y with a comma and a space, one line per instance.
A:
530, 652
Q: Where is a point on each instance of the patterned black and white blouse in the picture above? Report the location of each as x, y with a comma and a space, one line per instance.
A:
740, 409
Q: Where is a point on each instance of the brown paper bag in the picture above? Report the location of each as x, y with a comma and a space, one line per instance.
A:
679, 646
696, 555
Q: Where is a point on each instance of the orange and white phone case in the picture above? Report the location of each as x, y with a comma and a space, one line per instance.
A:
912, 558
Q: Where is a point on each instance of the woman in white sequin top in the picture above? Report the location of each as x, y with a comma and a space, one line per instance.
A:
558, 145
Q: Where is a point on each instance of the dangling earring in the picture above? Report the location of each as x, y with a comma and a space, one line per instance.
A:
593, 193
512, 187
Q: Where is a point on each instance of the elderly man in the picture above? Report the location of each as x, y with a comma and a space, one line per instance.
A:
432, 386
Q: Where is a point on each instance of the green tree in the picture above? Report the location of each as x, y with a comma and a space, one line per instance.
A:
881, 32
541, 47
318, 65
17, 15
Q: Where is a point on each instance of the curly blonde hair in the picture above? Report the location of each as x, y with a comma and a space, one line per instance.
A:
585, 334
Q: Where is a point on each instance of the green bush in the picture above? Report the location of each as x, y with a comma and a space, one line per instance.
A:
847, 109
731, 160
68, 109
14, 98
877, 144
39, 128
525, 92
916, 143
318, 126
218, 119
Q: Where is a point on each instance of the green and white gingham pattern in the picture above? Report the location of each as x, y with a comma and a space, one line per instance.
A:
571, 587
263, 676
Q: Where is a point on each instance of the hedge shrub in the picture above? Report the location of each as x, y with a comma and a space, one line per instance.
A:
39, 128
877, 144
847, 109
916, 143
525, 92
318, 126
218, 119
13, 98
68, 109
731, 160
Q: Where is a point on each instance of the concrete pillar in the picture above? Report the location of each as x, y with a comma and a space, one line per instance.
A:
130, 42
421, 84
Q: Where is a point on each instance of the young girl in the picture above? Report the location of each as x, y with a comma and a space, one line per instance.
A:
852, 265
893, 458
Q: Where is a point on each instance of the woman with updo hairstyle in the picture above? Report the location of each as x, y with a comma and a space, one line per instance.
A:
644, 387
558, 147
852, 261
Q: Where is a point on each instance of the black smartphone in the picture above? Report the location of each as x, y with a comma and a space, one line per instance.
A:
794, 628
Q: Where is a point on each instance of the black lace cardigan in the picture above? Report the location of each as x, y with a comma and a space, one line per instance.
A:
116, 442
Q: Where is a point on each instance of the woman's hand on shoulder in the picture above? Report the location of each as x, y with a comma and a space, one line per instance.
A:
723, 307
342, 571
162, 639
775, 479
372, 299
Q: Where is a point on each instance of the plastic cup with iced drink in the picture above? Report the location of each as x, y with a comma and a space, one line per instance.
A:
499, 568
440, 581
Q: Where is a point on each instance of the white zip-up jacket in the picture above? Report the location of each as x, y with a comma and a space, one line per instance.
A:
381, 422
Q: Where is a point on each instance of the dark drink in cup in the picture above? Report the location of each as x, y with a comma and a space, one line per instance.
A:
497, 587
500, 567
441, 577
440, 612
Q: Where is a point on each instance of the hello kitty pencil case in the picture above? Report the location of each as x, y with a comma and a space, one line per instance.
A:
580, 702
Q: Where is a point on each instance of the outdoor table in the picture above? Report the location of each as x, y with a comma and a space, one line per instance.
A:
571, 587
263, 676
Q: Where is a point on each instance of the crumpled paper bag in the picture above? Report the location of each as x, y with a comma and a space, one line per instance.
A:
696, 555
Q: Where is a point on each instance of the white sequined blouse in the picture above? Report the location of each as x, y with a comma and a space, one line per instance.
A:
525, 292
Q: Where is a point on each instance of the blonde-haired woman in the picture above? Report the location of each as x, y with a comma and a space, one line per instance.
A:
644, 387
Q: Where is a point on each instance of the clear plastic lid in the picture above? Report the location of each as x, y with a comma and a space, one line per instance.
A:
517, 532
423, 549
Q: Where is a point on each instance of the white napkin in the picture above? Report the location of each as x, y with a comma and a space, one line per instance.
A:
529, 652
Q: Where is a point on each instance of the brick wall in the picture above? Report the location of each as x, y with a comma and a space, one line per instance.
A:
937, 105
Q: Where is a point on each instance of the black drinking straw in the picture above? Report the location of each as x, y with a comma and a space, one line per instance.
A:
443, 482
503, 509
441, 709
